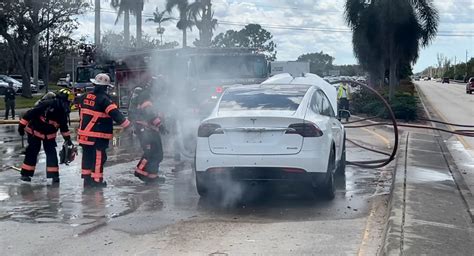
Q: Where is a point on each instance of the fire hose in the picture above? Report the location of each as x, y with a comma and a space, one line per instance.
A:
392, 123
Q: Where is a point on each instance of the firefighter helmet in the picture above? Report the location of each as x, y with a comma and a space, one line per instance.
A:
102, 79
65, 94
68, 153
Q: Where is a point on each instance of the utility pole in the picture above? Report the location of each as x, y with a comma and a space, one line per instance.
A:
454, 67
467, 67
46, 77
97, 23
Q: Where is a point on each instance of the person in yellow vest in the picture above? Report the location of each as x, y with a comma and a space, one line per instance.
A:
344, 96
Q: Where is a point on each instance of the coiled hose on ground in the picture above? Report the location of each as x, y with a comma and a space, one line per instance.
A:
392, 122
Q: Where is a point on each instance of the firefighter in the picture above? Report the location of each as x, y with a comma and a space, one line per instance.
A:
41, 123
97, 114
147, 122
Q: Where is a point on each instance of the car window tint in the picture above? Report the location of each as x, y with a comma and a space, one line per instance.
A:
327, 109
316, 103
261, 99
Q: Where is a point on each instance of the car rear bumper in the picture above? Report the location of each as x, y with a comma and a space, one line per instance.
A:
306, 161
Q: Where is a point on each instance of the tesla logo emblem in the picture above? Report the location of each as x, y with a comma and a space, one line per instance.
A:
253, 120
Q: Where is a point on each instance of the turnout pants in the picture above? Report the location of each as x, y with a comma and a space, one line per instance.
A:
344, 103
31, 157
149, 165
93, 160
9, 105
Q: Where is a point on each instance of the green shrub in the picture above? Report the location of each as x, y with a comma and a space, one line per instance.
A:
404, 105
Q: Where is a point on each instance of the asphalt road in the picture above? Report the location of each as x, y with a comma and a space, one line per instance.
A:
128, 217
452, 104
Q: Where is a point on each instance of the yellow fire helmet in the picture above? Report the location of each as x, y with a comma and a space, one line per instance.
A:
66, 94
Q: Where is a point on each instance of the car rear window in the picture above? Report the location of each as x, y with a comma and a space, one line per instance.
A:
261, 99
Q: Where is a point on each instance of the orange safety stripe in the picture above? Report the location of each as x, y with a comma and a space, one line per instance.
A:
52, 169
125, 123
141, 172
100, 135
40, 135
85, 111
53, 123
110, 108
96, 176
68, 133
142, 163
86, 142
28, 167
86, 172
157, 121
98, 164
145, 104
23, 122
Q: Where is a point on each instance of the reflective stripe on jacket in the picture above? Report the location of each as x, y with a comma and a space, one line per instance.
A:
340, 92
97, 114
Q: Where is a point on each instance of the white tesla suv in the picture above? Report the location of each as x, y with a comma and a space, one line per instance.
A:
283, 130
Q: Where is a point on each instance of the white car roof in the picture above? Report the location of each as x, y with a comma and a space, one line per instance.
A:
306, 79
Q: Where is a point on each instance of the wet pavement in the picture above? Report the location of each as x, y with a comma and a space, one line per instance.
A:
128, 206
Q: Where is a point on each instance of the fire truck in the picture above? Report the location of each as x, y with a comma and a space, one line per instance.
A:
195, 78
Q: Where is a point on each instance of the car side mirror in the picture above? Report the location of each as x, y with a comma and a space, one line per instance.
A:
343, 114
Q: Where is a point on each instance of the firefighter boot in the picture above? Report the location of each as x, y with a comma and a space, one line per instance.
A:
89, 182
25, 178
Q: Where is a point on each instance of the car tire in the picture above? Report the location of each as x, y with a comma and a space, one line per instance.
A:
341, 167
328, 190
470, 92
201, 186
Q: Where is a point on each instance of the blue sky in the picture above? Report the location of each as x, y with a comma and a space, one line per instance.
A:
318, 16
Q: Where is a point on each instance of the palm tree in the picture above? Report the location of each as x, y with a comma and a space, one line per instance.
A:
123, 7
184, 22
138, 10
159, 18
201, 14
97, 22
402, 27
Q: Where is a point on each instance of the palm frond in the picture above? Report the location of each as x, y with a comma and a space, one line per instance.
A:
429, 18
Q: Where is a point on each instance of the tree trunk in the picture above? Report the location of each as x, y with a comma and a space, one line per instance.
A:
185, 41
392, 73
139, 28
206, 31
97, 23
126, 27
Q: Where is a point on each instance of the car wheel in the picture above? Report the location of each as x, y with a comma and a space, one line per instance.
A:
470, 92
341, 167
201, 186
329, 187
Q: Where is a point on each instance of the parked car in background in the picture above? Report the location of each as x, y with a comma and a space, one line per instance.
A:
63, 82
3, 87
16, 85
470, 86
284, 130
20, 79
445, 80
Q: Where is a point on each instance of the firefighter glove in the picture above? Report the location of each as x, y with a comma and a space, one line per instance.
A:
21, 130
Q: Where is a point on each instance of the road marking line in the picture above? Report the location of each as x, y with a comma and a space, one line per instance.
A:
380, 136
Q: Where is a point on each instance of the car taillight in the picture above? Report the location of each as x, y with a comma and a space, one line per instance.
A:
219, 89
206, 130
305, 130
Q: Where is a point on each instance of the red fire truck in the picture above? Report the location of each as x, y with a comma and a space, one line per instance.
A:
195, 79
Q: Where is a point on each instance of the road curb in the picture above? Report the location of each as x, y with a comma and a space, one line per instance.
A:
466, 194
393, 233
